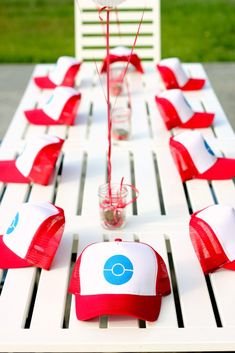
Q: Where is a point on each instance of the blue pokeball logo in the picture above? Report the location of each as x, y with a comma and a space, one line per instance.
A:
118, 269
50, 99
13, 225
208, 148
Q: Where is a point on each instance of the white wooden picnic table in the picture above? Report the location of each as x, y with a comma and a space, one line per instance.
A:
36, 312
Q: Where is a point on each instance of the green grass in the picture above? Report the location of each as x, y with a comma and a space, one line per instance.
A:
199, 30
42, 30
36, 30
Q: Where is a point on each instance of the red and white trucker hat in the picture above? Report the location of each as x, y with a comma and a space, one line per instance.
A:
123, 54
60, 109
213, 238
195, 159
63, 74
174, 76
36, 162
177, 112
35, 242
119, 278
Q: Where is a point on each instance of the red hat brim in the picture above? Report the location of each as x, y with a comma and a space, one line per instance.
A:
8, 259
194, 84
224, 168
172, 118
199, 120
132, 58
229, 265
38, 117
170, 80
141, 307
10, 174
44, 82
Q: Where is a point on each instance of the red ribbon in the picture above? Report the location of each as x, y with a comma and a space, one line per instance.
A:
133, 188
103, 9
117, 218
107, 9
120, 203
129, 58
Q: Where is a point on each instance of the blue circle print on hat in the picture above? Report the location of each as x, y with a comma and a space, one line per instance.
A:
50, 99
118, 269
13, 225
208, 148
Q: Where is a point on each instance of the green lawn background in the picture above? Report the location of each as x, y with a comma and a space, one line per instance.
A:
43, 30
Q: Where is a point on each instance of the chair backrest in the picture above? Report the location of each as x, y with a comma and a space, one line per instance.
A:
90, 31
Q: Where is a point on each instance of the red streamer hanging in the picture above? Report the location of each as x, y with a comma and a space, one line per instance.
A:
121, 204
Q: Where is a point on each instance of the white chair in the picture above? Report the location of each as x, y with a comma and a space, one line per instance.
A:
90, 41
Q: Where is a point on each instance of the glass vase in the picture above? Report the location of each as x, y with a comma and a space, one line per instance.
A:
112, 205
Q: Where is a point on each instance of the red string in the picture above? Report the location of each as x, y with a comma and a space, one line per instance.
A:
108, 98
120, 203
101, 10
129, 58
108, 107
97, 70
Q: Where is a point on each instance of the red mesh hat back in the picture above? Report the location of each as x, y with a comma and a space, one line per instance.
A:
163, 286
44, 163
46, 241
206, 245
33, 236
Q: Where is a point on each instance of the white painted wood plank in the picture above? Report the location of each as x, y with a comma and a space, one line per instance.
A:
118, 16
79, 131
95, 176
107, 340
14, 310
121, 168
148, 201
171, 185
167, 317
224, 192
69, 186
200, 195
159, 131
58, 130
100, 53
223, 284
99, 28
140, 128
191, 283
153, 87
41, 193
143, 40
53, 286
98, 128
35, 130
